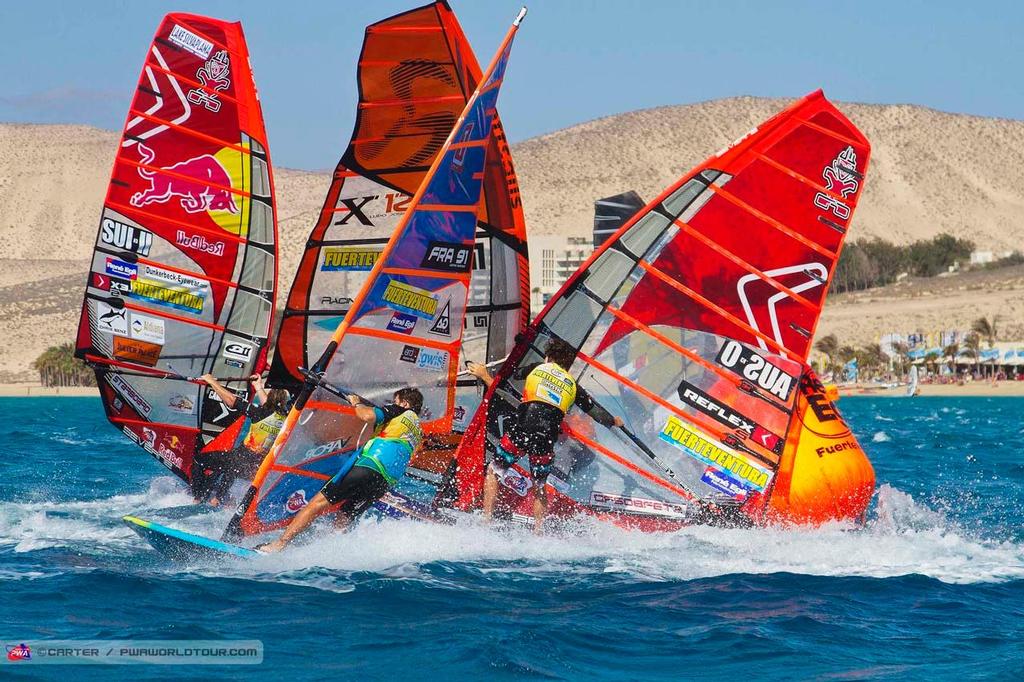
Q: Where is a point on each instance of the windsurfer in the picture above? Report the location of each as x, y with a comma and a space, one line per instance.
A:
548, 393
366, 477
214, 471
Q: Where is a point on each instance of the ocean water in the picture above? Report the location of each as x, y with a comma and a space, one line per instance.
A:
932, 588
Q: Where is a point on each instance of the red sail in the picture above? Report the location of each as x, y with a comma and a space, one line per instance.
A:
184, 273
692, 323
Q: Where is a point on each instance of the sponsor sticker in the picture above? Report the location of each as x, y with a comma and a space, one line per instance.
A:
235, 350
296, 501
126, 237
723, 414
685, 437
756, 369
348, 259
723, 483
516, 482
190, 42
182, 403
432, 360
119, 268
409, 354
405, 298
331, 448
132, 350
146, 328
129, 394
172, 297
171, 289
447, 256
111, 320
335, 300
638, 505
402, 323
443, 322
198, 242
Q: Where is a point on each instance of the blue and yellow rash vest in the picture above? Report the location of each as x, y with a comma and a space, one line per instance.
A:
397, 436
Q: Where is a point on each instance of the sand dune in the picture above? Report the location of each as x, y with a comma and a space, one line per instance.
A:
931, 172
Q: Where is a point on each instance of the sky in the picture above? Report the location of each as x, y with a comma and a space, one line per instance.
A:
573, 60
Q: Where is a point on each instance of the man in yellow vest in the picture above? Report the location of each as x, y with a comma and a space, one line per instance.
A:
377, 467
215, 469
549, 392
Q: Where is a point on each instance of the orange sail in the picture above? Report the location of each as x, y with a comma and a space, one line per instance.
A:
389, 338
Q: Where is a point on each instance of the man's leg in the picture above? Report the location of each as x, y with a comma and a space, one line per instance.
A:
540, 505
540, 467
490, 491
317, 506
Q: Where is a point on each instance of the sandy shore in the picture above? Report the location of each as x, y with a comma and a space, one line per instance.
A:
974, 388
36, 390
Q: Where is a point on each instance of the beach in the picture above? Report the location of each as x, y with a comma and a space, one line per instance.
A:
29, 390
972, 389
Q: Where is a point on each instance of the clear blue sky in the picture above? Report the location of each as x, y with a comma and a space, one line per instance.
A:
573, 61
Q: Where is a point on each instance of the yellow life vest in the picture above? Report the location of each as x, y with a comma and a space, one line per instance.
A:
262, 433
549, 383
405, 427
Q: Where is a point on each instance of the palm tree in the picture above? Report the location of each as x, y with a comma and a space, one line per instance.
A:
58, 366
828, 345
972, 346
986, 329
902, 352
951, 351
871, 358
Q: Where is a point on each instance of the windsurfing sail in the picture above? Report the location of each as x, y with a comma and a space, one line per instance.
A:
613, 212
387, 339
912, 384
183, 273
692, 323
416, 73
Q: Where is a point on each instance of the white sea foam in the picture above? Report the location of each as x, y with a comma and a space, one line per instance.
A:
903, 537
880, 437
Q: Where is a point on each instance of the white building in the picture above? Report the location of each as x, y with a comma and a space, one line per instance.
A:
552, 260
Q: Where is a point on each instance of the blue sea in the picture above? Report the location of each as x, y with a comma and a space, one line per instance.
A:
931, 589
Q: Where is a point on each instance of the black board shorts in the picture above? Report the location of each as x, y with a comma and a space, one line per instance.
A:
356, 491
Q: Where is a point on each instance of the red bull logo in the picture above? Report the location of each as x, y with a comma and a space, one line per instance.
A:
200, 183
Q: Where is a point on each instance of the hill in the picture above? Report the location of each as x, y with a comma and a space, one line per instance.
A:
930, 172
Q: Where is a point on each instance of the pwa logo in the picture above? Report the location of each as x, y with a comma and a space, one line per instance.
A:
200, 183
19, 652
296, 501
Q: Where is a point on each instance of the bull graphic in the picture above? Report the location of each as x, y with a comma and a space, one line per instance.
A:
201, 183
